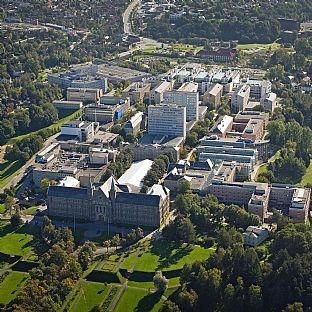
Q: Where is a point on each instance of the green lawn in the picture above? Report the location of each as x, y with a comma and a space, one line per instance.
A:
164, 256
2, 208
307, 178
16, 241
139, 300
90, 294
172, 282
30, 211
10, 286
58, 124
264, 46
8, 170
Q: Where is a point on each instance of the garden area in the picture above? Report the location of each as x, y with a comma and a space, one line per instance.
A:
307, 178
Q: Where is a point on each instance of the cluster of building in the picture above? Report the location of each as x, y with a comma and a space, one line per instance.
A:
207, 177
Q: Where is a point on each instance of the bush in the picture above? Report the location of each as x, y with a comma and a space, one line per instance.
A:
16, 220
209, 242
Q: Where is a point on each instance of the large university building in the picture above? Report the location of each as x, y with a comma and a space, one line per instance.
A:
111, 202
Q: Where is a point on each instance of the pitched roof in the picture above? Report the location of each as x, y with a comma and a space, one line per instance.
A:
137, 199
68, 192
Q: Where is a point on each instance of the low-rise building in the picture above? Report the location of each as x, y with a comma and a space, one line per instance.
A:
255, 235
222, 126
83, 94
83, 130
61, 104
133, 125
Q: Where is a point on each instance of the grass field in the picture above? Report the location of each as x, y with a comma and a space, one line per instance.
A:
10, 286
58, 124
162, 255
2, 208
8, 170
256, 47
139, 300
172, 282
307, 178
30, 211
16, 241
90, 294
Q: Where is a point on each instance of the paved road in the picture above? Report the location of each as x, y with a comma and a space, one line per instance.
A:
27, 167
127, 14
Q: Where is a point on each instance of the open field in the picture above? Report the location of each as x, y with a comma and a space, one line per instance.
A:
164, 256
8, 170
258, 47
90, 294
10, 286
139, 300
16, 241
307, 178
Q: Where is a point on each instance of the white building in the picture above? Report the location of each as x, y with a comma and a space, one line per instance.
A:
187, 96
83, 130
167, 120
269, 102
240, 98
133, 125
258, 88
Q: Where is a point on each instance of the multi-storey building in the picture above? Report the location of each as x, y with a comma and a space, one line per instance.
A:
156, 95
186, 96
258, 88
213, 95
167, 120
240, 98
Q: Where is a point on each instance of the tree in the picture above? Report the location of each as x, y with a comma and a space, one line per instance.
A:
16, 220
185, 186
276, 72
255, 298
160, 282
45, 183
169, 306
116, 240
294, 307
107, 244
9, 203
187, 299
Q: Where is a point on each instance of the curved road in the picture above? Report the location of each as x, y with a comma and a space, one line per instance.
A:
127, 14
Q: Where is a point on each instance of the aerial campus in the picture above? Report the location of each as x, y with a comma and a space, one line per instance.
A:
155, 155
